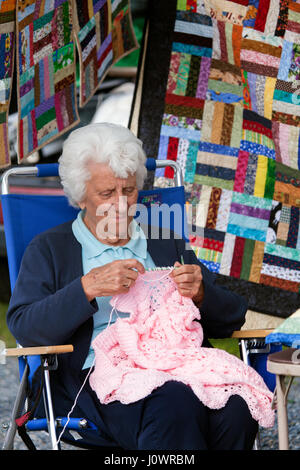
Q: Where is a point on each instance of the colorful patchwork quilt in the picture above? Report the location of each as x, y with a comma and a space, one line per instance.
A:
47, 33
46, 73
228, 112
104, 34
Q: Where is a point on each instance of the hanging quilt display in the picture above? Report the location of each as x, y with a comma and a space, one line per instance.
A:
46, 73
47, 33
228, 111
104, 34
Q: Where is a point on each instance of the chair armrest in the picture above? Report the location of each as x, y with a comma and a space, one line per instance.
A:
39, 350
244, 334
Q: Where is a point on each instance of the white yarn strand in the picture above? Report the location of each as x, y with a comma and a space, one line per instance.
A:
75, 403
169, 269
84, 382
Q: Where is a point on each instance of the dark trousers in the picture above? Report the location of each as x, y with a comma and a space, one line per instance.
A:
173, 418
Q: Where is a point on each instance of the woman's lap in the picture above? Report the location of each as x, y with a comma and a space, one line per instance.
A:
172, 417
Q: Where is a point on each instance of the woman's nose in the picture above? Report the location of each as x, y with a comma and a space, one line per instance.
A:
121, 203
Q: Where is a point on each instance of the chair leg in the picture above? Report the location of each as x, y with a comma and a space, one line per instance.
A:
281, 397
49, 412
17, 410
245, 358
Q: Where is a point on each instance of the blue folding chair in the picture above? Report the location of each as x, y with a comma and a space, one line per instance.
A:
25, 216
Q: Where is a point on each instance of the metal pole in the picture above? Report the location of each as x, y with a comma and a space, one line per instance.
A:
29, 170
283, 435
17, 409
51, 419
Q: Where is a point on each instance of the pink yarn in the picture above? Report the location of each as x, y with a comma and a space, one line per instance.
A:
159, 342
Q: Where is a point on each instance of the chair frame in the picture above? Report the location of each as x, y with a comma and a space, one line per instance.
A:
47, 353
284, 369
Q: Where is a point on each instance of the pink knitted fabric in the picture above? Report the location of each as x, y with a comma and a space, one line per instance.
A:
159, 342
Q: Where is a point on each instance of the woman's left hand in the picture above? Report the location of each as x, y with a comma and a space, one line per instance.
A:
188, 278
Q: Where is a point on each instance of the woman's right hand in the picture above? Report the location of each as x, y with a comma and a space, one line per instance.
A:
112, 278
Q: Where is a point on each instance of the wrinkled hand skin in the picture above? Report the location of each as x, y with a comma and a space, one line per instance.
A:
188, 278
111, 279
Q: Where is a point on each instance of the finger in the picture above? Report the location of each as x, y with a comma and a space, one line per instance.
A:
185, 275
124, 289
185, 278
178, 268
189, 268
134, 264
192, 274
185, 292
131, 275
127, 283
191, 288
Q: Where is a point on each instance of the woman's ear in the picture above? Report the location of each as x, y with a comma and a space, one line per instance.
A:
81, 205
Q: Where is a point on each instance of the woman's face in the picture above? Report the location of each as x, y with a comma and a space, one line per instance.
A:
107, 201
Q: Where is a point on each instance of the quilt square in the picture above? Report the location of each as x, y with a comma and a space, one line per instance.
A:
208, 248
216, 165
264, 15
257, 135
249, 216
227, 10
227, 38
222, 124
242, 258
185, 132
254, 175
284, 225
225, 83
258, 93
280, 267
286, 100
104, 34
192, 29
46, 74
260, 54
287, 144
292, 30
212, 210
188, 75
286, 185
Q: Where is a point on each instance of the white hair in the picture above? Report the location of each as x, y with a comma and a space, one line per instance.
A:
99, 143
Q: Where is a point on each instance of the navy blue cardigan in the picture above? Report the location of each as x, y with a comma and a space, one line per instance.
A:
48, 306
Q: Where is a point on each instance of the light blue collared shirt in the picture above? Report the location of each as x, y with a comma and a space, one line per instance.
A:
95, 254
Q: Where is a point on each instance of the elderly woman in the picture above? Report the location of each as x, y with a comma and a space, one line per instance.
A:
69, 274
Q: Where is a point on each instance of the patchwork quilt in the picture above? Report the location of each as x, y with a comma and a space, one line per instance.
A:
46, 73
104, 34
227, 110
43, 36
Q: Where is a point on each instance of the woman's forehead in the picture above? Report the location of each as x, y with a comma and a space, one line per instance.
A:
103, 175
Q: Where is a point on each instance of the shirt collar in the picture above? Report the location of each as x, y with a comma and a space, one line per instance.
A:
93, 247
